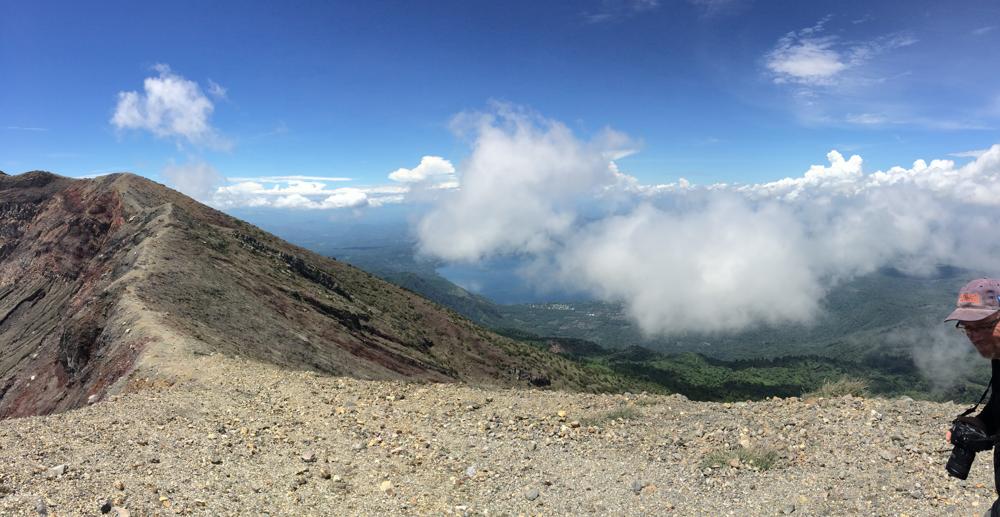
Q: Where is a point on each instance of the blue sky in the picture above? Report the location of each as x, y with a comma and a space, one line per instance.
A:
710, 90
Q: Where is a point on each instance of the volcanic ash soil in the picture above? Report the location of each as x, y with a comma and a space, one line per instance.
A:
242, 438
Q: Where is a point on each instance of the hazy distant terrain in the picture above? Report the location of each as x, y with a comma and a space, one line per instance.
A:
884, 328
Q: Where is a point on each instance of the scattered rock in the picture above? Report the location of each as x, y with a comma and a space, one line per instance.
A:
788, 509
385, 486
106, 506
531, 494
309, 456
41, 508
636, 486
56, 472
471, 471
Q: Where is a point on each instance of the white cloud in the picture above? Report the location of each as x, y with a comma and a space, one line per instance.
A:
714, 7
721, 257
340, 198
867, 119
808, 57
216, 90
285, 179
429, 167
196, 179
983, 30
975, 153
518, 186
809, 61
611, 10
300, 194
169, 106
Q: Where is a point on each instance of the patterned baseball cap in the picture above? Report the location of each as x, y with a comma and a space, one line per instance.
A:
978, 300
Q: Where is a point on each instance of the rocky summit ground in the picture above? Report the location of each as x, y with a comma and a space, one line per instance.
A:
237, 437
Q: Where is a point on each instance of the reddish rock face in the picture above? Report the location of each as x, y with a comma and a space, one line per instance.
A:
55, 256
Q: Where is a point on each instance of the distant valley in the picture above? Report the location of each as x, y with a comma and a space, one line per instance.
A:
882, 328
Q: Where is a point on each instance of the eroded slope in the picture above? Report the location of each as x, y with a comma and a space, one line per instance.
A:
98, 277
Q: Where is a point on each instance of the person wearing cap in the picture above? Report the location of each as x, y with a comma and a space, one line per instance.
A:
977, 314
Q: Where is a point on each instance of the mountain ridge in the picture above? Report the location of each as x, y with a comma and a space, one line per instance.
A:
100, 277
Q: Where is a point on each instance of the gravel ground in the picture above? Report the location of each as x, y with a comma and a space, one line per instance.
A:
241, 438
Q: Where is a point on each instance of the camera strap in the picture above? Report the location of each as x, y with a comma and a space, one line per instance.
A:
981, 399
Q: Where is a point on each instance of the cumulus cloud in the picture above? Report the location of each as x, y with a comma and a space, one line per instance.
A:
430, 168
196, 179
520, 185
682, 257
170, 106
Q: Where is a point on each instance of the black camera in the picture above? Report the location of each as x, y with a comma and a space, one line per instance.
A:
969, 436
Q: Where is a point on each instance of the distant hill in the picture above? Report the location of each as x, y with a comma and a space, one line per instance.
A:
871, 328
103, 277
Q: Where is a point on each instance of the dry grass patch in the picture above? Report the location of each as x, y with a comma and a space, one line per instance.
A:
761, 458
839, 388
620, 413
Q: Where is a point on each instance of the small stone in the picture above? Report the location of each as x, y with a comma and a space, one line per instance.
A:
386, 486
532, 446
471, 471
789, 509
309, 456
887, 455
56, 472
531, 494
119, 485
106, 506
121, 512
216, 460
92, 399
561, 414
636, 486
41, 508
324, 473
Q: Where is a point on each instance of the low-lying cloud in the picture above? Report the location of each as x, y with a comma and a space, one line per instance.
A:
283, 192
720, 257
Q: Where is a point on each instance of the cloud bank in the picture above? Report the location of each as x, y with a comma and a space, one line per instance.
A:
289, 193
719, 257
171, 106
